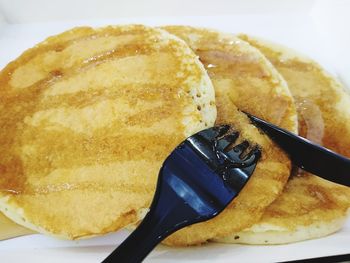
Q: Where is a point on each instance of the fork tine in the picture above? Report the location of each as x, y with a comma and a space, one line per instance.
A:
227, 140
239, 148
221, 130
252, 156
214, 132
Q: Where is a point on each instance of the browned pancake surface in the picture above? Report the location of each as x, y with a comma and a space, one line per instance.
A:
240, 70
322, 103
233, 67
87, 118
309, 206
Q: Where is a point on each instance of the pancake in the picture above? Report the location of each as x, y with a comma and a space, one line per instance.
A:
322, 102
309, 207
248, 78
229, 55
87, 118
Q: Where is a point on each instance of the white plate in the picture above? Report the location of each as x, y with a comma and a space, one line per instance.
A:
306, 33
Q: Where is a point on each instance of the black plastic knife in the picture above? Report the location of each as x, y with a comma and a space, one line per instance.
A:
307, 155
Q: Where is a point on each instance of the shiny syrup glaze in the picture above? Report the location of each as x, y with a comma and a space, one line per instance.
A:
33, 150
242, 73
273, 168
307, 199
317, 96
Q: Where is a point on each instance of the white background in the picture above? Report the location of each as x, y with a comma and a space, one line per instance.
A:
319, 29
328, 18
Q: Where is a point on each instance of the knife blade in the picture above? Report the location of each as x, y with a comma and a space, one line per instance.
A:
307, 155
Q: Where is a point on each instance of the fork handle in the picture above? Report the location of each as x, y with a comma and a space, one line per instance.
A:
168, 213
139, 243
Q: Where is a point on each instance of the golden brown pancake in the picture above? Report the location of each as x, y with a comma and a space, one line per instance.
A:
262, 188
322, 102
87, 118
309, 207
248, 78
235, 61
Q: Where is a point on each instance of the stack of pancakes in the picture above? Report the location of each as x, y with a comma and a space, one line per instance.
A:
88, 116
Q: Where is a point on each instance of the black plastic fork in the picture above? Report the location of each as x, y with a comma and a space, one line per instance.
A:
196, 182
